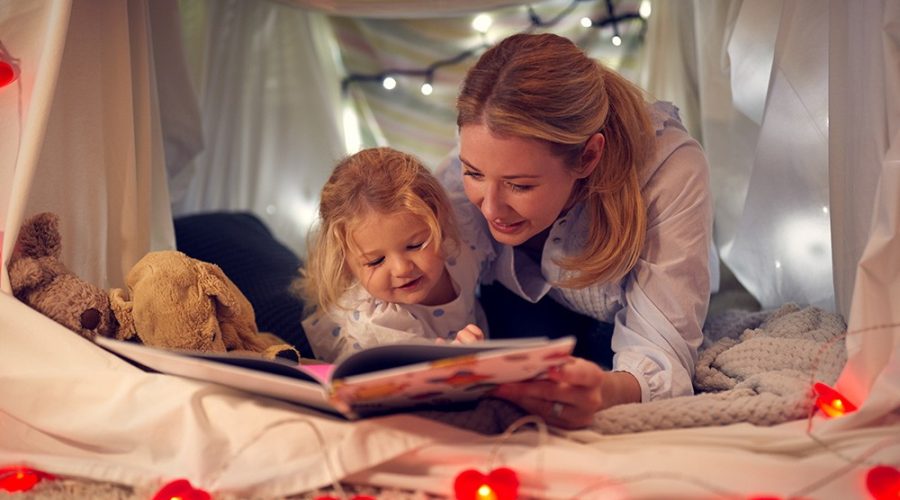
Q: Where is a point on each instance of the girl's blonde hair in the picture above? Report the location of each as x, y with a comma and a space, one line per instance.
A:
381, 180
542, 86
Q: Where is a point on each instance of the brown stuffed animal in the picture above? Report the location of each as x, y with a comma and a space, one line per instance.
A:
177, 302
39, 279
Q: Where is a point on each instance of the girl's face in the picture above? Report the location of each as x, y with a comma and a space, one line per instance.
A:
395, 260
519, 185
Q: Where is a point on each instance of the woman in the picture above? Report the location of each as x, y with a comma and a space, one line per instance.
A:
594, 198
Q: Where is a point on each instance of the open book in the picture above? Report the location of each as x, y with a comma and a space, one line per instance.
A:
377, 380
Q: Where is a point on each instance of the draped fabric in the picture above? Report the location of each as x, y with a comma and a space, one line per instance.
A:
394, 9
268, 92
269, 80
752, 78
89, 131
88, 139
864, 165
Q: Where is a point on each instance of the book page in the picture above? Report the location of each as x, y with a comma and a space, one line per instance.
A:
276, 378
444, 380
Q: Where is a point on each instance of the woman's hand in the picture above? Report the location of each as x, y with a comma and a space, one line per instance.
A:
572, 394
468, 335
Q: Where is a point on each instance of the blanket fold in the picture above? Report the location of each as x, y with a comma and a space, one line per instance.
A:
763, 377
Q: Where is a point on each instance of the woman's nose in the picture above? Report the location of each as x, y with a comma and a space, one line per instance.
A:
492, 204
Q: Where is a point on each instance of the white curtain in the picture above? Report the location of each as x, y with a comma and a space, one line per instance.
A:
865, 194
268, 89
752, 79
88, 138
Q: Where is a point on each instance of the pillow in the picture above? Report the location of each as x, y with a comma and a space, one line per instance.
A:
258, 264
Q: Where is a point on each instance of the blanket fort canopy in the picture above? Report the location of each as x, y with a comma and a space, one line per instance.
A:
89, 133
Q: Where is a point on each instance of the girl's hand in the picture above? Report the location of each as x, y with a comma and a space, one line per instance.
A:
468, 335
572, 394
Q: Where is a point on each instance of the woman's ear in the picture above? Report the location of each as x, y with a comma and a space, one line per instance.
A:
591, 154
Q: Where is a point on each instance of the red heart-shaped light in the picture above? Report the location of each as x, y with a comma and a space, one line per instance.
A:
883, 482
831, 402
181, 489
7, 73
499, 484
18, 478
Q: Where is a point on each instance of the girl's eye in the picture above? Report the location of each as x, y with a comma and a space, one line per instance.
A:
375, 263
415, 246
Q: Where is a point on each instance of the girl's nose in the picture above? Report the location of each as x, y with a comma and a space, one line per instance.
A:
402, 266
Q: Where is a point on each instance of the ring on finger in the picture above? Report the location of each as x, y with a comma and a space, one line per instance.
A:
557, 409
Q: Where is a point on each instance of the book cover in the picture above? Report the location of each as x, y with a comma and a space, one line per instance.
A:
381, 379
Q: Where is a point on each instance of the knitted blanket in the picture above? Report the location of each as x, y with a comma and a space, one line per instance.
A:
755, 367
763, 376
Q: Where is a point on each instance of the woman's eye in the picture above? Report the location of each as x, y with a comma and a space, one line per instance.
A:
520, 188
472, 174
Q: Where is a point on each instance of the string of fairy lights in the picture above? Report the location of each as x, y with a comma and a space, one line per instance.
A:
613, 18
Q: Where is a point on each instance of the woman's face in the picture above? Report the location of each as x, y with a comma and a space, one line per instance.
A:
517, 183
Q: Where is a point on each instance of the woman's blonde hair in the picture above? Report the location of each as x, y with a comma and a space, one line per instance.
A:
380, 180
542, 86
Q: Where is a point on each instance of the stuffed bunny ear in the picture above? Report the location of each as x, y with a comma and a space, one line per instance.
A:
214, 283
122, 310
234, 311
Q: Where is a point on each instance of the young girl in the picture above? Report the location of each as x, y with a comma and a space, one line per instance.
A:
386, 263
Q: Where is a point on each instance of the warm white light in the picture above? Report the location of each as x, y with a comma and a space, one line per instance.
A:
645, 9
825, 210
616, 40
777, 264
586, 22
427, 89
389, 83
352, 137
482, 23
302, 214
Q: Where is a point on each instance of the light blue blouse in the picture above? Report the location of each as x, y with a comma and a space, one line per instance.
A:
658, 308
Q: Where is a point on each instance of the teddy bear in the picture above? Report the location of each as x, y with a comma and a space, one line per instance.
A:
174, 301
39, 279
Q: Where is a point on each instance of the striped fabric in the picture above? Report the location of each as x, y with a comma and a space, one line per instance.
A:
406, 119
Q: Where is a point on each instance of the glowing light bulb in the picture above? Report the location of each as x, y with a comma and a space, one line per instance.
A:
486, 493
831, 402
586, 22
645, 9
616, 40
482, 23
389, 82
427, 89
